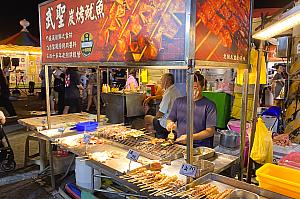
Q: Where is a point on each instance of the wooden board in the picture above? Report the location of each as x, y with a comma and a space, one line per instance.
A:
40, 123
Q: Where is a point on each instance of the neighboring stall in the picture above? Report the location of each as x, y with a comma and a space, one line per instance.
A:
21, 54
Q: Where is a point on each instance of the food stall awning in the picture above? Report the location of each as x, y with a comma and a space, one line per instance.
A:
22, 38
22, 42
165, 33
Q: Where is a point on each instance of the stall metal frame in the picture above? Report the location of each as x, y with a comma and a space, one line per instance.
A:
189, 63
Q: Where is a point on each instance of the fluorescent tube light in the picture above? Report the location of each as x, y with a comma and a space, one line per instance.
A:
289, 20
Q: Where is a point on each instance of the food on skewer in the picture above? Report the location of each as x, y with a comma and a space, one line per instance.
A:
153, 181
208, 191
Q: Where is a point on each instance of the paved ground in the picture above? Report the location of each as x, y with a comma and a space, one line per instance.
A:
24, 182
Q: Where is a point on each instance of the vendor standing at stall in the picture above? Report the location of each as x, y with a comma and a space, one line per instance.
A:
72, 91
131, 83
158, 122
205, 116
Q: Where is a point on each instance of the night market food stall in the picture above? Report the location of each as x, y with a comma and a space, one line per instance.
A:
147, 34
21, 57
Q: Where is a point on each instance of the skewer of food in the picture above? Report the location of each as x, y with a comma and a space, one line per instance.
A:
207, 190
151, 179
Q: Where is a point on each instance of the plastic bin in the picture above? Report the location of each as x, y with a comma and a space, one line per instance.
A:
235, 125
282, 180
87, 126
291, 160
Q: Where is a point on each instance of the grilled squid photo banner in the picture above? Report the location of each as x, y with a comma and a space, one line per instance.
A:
112, 30
222, 30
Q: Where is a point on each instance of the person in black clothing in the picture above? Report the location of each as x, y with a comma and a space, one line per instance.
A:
72, 93
59, 87
4, 96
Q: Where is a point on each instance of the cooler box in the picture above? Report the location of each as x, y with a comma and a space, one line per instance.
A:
279, 179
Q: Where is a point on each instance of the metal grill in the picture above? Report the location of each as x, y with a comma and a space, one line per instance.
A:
151, 151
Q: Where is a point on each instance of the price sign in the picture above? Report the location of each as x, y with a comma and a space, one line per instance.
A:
188, 170
133, 155
86, 138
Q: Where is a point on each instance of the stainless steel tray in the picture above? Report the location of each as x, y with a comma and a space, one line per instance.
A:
203, 153
239, 193
223, 183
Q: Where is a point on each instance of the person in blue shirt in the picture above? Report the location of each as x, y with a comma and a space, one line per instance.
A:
205, 116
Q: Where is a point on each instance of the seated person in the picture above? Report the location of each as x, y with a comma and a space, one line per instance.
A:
205, 117
158, 123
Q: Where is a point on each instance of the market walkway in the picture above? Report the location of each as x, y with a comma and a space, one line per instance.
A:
24, 182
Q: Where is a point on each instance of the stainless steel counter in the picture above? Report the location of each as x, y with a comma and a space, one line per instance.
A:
223, 183
120, 105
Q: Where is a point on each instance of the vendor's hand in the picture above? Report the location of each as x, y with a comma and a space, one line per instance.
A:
146, 101
181, 139
171, 126
2, 118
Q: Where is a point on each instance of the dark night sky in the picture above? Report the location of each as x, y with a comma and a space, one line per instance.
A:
12, 11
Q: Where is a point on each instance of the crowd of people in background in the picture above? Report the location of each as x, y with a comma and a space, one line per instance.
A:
74, 89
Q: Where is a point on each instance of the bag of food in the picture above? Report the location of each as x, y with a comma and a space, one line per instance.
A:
262, 150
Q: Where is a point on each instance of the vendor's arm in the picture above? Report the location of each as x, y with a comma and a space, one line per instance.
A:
207, 133
148, 99
159, 114
211, 123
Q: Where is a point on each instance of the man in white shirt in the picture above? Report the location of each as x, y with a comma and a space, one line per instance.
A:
157, 123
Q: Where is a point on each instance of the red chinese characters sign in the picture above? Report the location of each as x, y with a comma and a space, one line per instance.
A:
222, 30
112, 30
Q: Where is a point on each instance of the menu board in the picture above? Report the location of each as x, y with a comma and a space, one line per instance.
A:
112, 30
222, 30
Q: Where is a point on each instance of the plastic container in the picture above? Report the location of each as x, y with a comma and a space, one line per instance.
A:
292, 160
281, 151
83, 175
87, 126
235, 125
282, 180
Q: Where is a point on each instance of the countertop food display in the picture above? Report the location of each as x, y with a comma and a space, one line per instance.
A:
282, 140
151, 179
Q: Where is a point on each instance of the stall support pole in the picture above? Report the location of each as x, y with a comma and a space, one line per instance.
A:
243, 121
139, 77
107, 76
98, 94
47, 95
254, 113
190, 111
